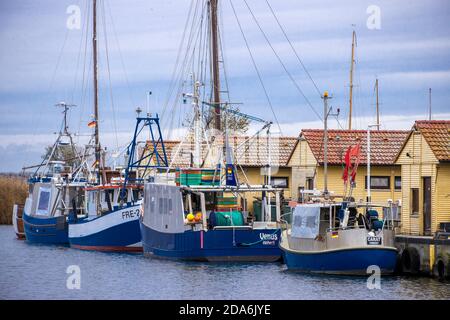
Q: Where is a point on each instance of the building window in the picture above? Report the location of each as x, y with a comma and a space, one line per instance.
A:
414, 200
310, 183
379, 182
279, 182
398, 183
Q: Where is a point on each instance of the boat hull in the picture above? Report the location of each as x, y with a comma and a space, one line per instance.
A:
213, 245
46, 230
117, 231
351, 261
17, 221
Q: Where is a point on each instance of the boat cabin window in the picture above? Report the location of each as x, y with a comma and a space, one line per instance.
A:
137, 194
125, 194
109, 193
165, 205
92, 203
44, 201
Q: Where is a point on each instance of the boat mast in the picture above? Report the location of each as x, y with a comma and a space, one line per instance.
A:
197, 126
378, 106
215, 63
95, 70
351, 81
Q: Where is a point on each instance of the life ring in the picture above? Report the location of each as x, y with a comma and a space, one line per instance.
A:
440, 270
410, 261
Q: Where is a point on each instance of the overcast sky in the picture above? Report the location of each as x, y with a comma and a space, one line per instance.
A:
41, 63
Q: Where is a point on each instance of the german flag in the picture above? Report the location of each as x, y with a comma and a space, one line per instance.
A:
92, 124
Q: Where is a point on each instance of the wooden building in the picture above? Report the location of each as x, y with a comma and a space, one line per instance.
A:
425, 168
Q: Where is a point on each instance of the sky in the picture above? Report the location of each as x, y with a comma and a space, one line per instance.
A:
42, 62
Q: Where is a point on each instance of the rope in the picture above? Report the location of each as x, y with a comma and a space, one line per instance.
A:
109, 75
256, 68
121, 57
281, 62
83, 87
293, 49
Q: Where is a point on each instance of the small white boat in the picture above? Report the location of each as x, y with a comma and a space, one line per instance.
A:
335, 238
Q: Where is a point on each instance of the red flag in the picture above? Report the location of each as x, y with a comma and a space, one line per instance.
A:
347, 164
353, 153
92, 124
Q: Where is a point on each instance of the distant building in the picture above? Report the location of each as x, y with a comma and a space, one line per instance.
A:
425, 165
306, 162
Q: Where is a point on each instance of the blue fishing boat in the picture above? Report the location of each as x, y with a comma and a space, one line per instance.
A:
340, 237
319, 240
201, 214
52, 188
109, 219
167, 231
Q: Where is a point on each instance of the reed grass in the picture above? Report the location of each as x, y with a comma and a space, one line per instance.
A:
13, 189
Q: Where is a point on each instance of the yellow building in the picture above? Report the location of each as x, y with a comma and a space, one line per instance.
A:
425, 165
306, 162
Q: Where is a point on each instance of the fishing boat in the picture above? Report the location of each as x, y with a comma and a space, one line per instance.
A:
200, 213
334, 236
53, 187
194, 218
108, 220
317, 239
170, 230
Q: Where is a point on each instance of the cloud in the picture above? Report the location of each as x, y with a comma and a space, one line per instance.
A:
409, 54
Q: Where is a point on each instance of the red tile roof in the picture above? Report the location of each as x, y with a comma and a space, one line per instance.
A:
252, 153
437, 135
384, 144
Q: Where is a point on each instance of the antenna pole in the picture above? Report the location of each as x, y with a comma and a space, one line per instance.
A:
215, 63
351, 81
325, 144
378, 106
429, 104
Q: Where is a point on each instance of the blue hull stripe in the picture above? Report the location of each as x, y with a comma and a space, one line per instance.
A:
217, 245
46, 230
349, 261
118, 236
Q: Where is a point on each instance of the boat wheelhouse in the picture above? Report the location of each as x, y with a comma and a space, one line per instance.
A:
46, 209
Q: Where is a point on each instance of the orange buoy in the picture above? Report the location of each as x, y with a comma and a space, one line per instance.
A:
198, 217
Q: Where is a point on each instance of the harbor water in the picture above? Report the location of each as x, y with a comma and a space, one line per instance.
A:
40, 272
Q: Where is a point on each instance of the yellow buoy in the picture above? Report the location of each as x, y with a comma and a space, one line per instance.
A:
190, 217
